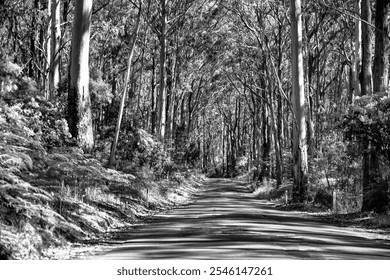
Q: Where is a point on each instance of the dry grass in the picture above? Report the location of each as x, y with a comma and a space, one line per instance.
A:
267, 190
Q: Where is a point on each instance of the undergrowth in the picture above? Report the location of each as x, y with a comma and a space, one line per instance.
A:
52, 196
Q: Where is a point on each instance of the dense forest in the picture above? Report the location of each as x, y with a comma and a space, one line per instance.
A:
117, 108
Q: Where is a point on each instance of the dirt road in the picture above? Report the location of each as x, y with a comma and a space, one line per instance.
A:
227, 222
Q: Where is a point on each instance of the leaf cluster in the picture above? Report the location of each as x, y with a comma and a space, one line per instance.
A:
368, 121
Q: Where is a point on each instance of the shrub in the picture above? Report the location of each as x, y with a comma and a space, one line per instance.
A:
368, 121
376, 200
5, 254
323, 198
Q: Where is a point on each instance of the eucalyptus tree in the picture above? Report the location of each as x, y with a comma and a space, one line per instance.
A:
300, 165
79, 103
366, 81
357, 48
55, 42
382, 46
126, 85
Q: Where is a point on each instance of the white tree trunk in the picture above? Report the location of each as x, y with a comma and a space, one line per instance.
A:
300, 167
55, 47
162, 98
46, 77
79, 103
358, 49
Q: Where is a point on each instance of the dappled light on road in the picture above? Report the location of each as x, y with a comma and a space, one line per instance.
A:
227, 222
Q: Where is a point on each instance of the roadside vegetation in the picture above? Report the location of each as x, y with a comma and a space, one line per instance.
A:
52, 194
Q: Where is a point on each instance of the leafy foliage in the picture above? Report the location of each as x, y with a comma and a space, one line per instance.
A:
368, 120
52, 193
378, 198
323, 198
367, 126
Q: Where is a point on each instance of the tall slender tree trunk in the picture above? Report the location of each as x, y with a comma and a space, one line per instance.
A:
300, 167
162, 98
279, 118
358, 49
141, 76
153, 99
173, 92
47, 52
266, 141
126, 86
33, 35
366, 82
55, 47
367, 35
278, 159
79, 103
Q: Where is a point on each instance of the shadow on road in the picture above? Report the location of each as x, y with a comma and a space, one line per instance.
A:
227, 222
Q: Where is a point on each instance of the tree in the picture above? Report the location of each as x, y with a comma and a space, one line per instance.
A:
366, 81
367, 35
79, 103
129, 68
48, 51
300, 167
55, 47
162, 97
382, 46
358, 48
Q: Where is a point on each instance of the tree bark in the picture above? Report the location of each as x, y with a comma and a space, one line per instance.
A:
381, 57
366, 84
47, 52
162, 98
367, 34
358, 49
79, 103
300, 167
55, 48
153, 99
33, 35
